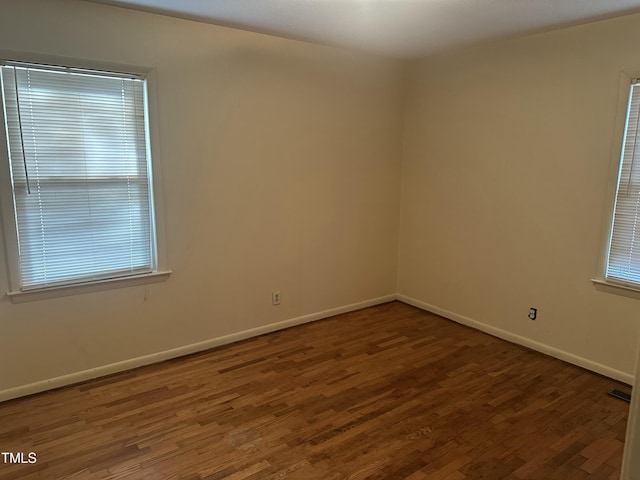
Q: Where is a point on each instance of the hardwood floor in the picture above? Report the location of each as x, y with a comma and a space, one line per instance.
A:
388, 392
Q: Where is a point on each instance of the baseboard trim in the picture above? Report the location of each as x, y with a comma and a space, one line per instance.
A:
525, 342
84, 375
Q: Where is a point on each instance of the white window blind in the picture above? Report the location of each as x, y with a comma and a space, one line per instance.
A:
623, 262
80, 169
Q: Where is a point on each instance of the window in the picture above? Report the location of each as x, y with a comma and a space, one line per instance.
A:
623, 256
80, 172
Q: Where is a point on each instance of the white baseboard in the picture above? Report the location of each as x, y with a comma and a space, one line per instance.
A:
526, 342
129, 364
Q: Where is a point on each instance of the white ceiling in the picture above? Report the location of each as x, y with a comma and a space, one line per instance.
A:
399, 28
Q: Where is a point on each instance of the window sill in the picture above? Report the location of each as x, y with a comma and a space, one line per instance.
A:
88, 287
617, 289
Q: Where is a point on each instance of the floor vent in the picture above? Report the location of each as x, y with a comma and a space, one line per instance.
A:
621, 395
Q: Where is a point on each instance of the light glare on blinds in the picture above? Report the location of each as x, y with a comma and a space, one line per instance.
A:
623, 263
80, 172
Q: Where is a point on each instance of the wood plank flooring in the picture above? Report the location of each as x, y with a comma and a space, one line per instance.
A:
388, 392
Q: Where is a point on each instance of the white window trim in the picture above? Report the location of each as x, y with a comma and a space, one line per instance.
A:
600, 281
87, 287
10, 238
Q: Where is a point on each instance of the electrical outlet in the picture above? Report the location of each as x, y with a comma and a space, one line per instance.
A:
533, 313
275, 298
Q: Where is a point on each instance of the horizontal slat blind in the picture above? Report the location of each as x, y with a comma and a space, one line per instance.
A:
81, 183
623, 264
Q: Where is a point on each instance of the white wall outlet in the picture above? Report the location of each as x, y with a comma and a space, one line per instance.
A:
275, 298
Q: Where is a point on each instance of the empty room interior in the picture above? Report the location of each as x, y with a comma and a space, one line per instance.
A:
235, 250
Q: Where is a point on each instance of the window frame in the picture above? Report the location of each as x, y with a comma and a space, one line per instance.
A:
7, 207
600, 281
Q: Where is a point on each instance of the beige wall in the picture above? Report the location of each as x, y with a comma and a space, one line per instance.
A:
507, 157
281, 170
